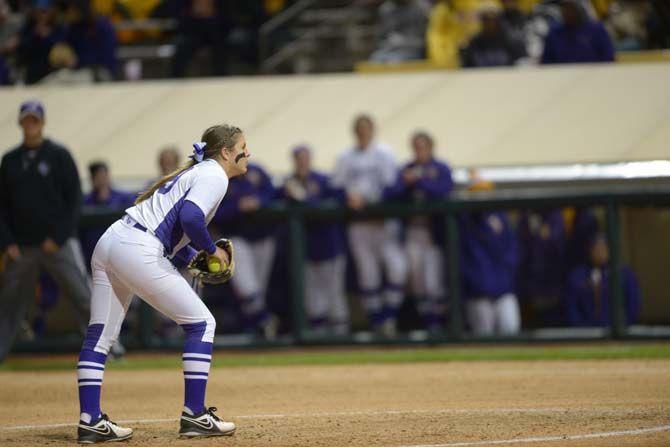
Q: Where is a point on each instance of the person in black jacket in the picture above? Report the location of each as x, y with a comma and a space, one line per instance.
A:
494, 46
40, 199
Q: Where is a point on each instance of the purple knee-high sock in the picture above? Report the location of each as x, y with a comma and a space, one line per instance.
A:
197, 358
90, 371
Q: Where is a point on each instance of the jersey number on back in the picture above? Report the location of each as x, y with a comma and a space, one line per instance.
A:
168, 186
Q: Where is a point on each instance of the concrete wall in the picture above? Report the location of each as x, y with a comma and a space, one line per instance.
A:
525, 116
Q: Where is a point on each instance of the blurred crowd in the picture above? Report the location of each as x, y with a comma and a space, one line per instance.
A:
529, 269
77, 40
486, 33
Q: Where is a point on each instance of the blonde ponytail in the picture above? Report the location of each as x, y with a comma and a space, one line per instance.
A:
216, 138
156, 186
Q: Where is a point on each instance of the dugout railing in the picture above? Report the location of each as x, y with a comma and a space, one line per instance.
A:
295, 216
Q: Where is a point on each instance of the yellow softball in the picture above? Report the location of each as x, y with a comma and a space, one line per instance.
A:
214, 264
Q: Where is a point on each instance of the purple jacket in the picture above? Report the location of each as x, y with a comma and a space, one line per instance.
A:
256, 183
489, 258
435, 183
587, 42
585, 308
543, 256
324, 240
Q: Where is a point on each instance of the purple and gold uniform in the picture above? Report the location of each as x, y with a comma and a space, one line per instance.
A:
489, 259
325, 301
254, 244
587, 296
542, 244
425, 237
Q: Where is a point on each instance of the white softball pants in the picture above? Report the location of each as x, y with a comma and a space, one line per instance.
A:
253, 266
376, 250
489, 316
426, 271
128, 262
324, 293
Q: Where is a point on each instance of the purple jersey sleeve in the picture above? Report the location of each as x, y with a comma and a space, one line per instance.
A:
193, 222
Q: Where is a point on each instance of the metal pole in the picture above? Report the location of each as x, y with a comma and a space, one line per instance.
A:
453, 274
616, 290
146, 324
297, 273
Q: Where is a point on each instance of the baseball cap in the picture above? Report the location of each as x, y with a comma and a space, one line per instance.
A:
32, 107
300, 148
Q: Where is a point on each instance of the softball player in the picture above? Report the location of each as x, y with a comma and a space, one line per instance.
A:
363, 173
489, 258
137, 255
325, 302
254, 247
425, 178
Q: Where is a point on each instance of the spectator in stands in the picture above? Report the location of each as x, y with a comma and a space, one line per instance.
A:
102, 195
444, 35
542, 241
658, 24
425, 179
578, 39
40, 198
489, 261
602, 7
242, 41
325, 303
202, 24
38, 36
169, 160
10, 25
494, 45
588, 293
514, 20
254, 246
627, 23
403, 26
93, 39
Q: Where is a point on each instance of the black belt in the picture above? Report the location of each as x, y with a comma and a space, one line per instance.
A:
140, 227
144, 229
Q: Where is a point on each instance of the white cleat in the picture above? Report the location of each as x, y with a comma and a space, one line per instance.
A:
204, 424
103, 430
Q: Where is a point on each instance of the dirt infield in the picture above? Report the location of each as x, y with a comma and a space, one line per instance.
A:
543, 403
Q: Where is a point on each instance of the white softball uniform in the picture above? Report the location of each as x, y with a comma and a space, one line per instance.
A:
366, 172
131, 261
375, 245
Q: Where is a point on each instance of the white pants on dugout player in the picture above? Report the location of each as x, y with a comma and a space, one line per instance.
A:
426, 270
489, 316
253, 266
377, 254
128, 262
324, 294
